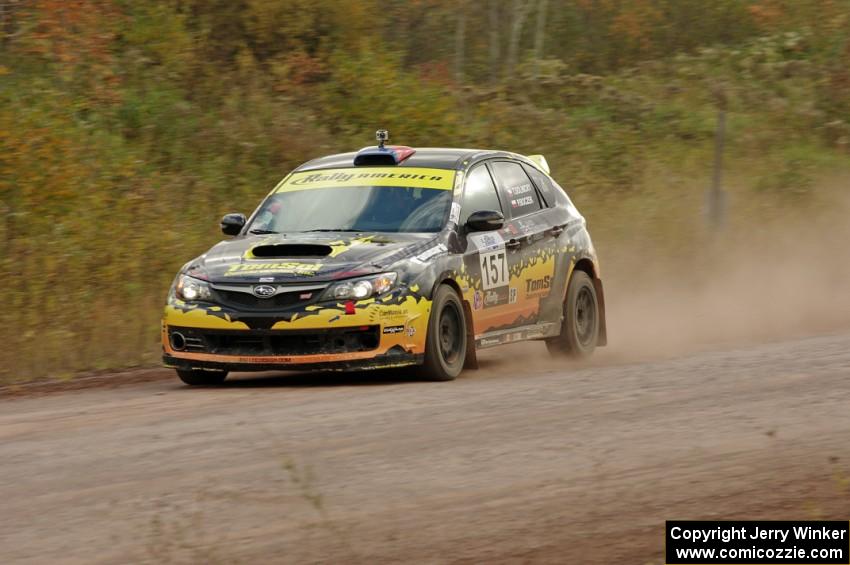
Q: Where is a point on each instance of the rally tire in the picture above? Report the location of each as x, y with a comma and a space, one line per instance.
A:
581, 320
201, 378
445, 344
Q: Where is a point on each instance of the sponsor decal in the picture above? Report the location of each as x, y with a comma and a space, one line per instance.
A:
496, 297
319, 177
490, 341
454, 215
411, 331
431, 253
512, 295
288, 268
489, 241
477, 300
406, 177
265, 359
524, 201
538, 287
392, 330
266, 279
516, 336
526, 226
305, 295
393, 312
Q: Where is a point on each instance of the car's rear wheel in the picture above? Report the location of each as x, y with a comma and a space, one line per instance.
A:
445, 344
195, 377
580, 327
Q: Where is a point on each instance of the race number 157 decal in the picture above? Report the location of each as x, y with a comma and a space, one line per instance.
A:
494, 269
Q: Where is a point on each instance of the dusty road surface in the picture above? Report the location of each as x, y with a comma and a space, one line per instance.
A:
523, 461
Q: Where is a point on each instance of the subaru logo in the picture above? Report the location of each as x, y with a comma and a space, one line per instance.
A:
264, 291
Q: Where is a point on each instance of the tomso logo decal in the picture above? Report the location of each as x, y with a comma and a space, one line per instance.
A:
538, 286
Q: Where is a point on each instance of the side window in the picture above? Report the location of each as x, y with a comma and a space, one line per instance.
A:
516, 187
543, 184
479, 194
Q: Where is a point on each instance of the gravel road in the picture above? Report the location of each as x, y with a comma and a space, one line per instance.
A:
525, 460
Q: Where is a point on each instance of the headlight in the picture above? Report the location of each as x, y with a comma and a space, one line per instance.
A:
191, 289
358, 289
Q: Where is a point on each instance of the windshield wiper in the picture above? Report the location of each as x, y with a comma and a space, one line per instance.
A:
259, 231
328, 229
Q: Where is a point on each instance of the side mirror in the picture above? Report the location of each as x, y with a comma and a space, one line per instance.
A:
232, 224
485, 220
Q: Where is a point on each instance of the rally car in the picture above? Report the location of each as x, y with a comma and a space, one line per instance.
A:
387, 257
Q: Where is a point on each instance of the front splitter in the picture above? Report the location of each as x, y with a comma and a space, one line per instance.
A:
395, 359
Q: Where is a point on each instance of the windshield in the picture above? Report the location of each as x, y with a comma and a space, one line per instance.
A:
375, 199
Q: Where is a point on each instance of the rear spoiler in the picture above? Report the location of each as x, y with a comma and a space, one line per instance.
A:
540, 161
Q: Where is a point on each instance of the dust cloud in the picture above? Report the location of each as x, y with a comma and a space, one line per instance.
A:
756, 282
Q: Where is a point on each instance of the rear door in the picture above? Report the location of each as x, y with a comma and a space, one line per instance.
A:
529, 240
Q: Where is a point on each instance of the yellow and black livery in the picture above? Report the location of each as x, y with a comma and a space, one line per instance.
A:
388, 257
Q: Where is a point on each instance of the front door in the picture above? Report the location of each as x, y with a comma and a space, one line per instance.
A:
486, 280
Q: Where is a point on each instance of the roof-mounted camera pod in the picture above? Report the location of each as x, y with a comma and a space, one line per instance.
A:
382, 135
383, 154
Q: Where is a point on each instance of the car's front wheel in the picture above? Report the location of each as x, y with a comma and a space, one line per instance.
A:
445, 345
580, 327
194, 377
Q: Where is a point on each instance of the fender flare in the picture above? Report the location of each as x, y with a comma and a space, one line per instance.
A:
445, 277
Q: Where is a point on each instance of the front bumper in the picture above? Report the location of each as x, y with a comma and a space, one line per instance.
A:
369, 334
386, 361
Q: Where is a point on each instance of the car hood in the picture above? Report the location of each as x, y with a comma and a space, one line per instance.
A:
306, 257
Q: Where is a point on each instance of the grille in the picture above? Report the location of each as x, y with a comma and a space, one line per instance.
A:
195, 344
280, 301
289, 342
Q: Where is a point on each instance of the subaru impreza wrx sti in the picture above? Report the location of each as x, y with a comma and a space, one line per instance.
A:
387, 257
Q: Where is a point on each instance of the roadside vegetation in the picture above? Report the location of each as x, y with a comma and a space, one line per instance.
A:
128, 128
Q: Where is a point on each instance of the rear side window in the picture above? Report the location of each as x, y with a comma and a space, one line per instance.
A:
543, 184
517, 189
479, 194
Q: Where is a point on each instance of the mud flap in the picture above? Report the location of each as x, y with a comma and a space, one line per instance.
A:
471, 361
603, 326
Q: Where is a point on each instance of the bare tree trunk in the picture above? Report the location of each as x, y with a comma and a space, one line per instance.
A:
494, 39
520, 12
539, 35
460, 43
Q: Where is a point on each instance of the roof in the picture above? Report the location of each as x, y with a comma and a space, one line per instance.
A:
426, 157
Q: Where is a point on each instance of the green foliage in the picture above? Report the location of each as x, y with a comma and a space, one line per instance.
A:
792, 180
127, 128
370, 87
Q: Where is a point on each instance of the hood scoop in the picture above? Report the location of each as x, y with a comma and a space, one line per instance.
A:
290, 250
